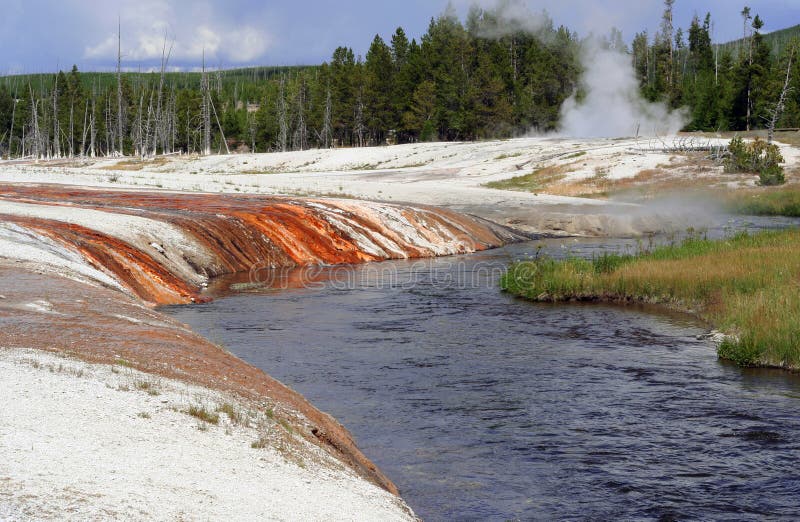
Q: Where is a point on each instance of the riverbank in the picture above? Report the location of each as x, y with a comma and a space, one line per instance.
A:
99, 441
746, 286
84, 323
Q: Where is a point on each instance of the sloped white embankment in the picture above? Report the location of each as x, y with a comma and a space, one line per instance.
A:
94, 442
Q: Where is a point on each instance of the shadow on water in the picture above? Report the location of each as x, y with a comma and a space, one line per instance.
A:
483, 406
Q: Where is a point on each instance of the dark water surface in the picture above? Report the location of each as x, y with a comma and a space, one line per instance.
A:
481, 406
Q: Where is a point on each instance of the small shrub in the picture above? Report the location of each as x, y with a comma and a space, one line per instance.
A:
758, 157
771, 175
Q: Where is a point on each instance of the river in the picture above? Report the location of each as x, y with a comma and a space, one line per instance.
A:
481, 406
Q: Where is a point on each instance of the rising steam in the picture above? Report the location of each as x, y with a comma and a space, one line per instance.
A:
610, 105
613, 106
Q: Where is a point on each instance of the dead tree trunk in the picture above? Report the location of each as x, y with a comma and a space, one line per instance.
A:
204, 87
300, 141
161, 131
221, 132
37, 151
56, 133
11, 130
283, 124
93, 124
72, 128
327, 127
85, 128
781, 105
358, 119
120, 131
109, 134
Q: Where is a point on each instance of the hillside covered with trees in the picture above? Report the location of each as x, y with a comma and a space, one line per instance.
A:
488, 76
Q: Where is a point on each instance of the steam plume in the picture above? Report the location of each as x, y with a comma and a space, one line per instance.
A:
613, 106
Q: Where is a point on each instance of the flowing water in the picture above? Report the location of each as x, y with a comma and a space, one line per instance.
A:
481, 406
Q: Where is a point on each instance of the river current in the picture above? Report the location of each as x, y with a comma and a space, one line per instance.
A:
482, 406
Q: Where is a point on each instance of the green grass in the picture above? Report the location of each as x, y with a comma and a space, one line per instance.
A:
508, 155
748, 286
776, 202
537, 180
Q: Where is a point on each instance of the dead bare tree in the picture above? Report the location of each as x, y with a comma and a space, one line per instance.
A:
93, 123
204, 87
11, 129
748, 40
109, 134
219, 126
283, 124
85, 127
300, 137
251, 129
137, 125
358, 118
120, 131
72, 127
173, 119
160, 133
56, 133
776, 112
327, 127
37, 150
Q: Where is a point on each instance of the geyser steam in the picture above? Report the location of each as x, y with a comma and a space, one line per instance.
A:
613, 106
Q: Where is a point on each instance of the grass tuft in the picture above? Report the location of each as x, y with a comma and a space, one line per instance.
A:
200, 412
236, 416
147, 386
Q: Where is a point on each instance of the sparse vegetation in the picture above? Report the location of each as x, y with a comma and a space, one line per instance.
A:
285, 424
745, 285
509, 155
123, 362
260, 443
200, 412
768, 202
236, 416
147, 385
536, 181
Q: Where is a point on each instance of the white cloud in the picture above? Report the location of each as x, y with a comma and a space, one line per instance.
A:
104, 49
191, 29
247, 44
204, 40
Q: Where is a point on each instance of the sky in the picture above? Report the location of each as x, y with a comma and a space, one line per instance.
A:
47, 35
